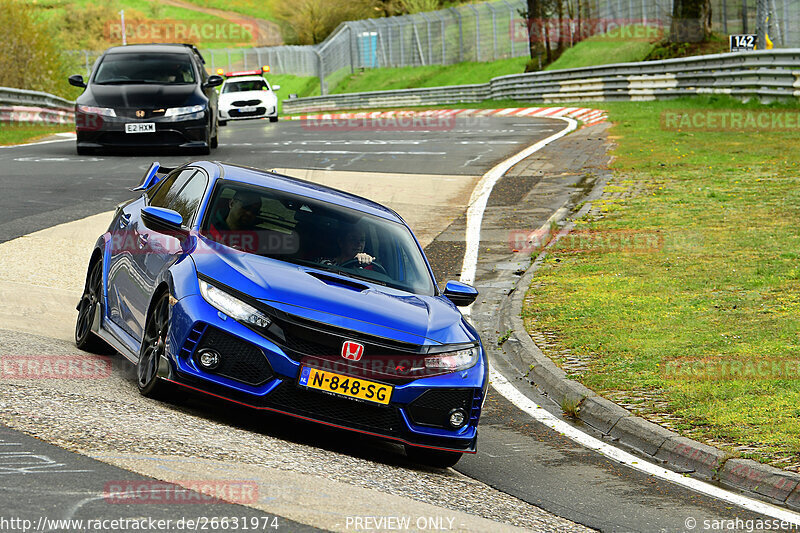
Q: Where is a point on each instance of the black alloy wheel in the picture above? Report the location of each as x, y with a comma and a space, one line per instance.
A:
154, 345
85, 338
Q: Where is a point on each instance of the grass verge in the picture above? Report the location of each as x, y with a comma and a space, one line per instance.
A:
384, 79
626, 44
680, 294
16, 133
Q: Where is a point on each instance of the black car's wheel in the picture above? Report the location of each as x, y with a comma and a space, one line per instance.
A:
83, 151
223, 122
428, 457
206, 150
85, 339
154, 345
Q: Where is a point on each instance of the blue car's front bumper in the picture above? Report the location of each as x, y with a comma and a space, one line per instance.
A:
262, 374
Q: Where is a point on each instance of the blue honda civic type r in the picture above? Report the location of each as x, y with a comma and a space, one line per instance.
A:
283, 295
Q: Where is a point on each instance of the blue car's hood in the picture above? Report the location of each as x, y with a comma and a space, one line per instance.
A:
370, 309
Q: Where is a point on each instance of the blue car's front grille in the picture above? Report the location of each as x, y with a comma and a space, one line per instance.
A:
304, 337
342, 411
433, 407
240, 360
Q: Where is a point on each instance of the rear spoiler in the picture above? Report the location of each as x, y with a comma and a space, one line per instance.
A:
151, 177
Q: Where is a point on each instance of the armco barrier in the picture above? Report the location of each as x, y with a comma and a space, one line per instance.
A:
766, 75
19, 105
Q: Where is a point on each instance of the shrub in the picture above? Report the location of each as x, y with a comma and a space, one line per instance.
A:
29, 57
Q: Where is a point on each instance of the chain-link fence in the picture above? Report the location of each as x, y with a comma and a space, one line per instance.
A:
487, 32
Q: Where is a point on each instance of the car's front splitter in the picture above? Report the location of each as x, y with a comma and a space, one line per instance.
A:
466, 445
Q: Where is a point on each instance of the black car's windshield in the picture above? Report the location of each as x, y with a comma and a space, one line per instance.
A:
242, 86
145, 68
309, 232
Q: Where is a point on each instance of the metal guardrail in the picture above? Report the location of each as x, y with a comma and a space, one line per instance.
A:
20, 105
768, 74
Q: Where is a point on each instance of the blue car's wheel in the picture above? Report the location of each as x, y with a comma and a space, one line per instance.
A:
85, 339
154, 345
437, 458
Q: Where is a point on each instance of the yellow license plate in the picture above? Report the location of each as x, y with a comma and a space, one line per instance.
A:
351, 387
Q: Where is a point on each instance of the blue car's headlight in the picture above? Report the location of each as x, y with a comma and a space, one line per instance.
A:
453, 361
232, 306
175, 111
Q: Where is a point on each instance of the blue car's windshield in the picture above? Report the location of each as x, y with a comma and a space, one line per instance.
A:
325, 236
163, 69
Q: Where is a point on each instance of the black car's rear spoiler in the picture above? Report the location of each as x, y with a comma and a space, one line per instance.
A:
152, 176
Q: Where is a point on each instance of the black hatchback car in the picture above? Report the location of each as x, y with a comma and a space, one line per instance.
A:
147, 95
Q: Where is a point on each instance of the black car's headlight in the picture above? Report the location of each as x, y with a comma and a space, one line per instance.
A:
453, 361
232, 306
103, 111
177, 111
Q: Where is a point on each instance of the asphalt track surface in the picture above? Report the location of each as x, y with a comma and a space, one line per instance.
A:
47, 184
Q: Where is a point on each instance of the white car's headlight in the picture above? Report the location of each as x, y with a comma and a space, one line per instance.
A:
175, 111
103, 111
453, 361
232, 306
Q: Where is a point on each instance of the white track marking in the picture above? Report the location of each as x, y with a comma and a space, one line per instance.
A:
67, 137
477, 206
480, 195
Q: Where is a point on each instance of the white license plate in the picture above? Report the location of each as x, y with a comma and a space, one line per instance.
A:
249, 109
140, 127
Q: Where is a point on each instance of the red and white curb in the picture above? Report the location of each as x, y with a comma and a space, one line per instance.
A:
585, 115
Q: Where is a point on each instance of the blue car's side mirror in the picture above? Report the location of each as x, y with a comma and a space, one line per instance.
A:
163, 220
459, 293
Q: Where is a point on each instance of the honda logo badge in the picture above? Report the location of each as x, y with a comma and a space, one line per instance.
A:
140, 113
352, 350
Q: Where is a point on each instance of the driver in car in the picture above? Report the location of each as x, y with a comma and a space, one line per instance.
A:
351, 243
235, 223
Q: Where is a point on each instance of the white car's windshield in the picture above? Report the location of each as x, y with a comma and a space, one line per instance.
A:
242, 86
322, 235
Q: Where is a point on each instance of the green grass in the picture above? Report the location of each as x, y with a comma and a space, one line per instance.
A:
299, 85
428, 76
602, 49
721, 284
262, 9
21, 133
97, 19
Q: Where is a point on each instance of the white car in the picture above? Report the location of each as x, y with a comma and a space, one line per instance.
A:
244, 97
